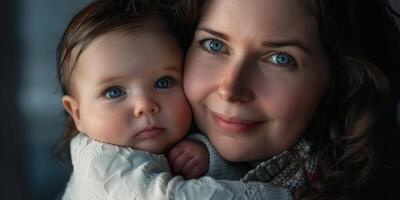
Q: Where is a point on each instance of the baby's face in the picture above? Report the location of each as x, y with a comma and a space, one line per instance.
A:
128, 90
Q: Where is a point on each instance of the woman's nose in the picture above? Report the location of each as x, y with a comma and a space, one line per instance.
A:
234, 85
145, 106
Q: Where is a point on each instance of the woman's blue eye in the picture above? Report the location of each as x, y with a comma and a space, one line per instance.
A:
114, 92
281, 59
213, 45
164, 83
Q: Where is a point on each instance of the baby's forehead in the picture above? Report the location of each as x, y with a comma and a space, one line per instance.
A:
143, 51
149, 25
158, 32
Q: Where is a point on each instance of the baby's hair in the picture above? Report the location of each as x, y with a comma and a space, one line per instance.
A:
96, 19
362, 41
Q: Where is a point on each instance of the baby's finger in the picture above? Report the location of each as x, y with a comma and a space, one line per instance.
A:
174, 154
195, 173
189, 166
179, 163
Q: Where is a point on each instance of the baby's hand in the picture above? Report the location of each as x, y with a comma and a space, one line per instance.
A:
189, 159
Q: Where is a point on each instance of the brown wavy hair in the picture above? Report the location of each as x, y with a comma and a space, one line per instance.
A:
96, 19
362, 41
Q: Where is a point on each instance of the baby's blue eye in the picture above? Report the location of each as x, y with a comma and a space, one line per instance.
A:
114, 92
281, 59
213, 45
164, 82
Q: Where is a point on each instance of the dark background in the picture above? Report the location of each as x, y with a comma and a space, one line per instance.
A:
30, 108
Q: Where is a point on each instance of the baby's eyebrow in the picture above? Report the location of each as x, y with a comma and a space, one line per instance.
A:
283, 43
105, 80
173, 68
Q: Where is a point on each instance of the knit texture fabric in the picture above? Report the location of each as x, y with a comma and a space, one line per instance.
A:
220, 168
290, 169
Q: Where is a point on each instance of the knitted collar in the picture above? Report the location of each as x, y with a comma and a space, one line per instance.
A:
285, 169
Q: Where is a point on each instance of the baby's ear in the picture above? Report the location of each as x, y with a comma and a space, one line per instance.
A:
71, 105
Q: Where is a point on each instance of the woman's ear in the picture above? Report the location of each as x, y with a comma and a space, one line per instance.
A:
71, 105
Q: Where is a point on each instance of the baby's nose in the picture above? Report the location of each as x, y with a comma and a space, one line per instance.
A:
145, 106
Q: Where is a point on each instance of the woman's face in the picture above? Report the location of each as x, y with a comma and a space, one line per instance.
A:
254, 75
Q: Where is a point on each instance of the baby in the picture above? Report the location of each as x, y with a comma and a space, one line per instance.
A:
120, 67
124, 80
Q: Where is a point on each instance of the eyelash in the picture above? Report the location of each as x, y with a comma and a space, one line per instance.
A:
292, 60
202, 43
121, 91
107, 95
172, 82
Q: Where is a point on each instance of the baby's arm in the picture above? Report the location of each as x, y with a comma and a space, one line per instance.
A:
220, 168
189, 159
103, 171
196, 156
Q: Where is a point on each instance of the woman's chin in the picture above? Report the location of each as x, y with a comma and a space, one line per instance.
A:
235, 155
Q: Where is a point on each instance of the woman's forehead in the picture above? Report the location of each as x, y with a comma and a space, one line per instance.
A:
269, 18
310, 6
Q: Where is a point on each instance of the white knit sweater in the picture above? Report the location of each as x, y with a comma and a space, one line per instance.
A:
104, 171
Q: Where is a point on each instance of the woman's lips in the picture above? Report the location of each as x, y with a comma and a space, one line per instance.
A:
233, 123
148, 133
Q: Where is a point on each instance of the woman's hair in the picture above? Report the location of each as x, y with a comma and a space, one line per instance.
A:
96, 19
362, 41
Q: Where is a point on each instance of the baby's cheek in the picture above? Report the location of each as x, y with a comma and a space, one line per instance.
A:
181, 113
185, 115
112, 130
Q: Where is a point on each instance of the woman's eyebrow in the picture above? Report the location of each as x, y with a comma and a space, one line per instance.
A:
213, 32
283, 43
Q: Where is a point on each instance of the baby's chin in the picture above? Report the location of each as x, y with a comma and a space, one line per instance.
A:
156, 149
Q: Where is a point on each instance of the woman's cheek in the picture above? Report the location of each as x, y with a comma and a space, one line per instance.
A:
192, 83
201, 77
